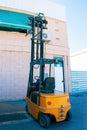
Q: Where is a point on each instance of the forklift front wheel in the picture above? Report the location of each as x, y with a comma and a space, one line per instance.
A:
27, 110
68, 116
44, 120
26, 107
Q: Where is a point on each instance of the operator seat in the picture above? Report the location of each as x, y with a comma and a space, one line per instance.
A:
49, 85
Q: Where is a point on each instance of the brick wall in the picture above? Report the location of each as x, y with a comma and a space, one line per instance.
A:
14, 65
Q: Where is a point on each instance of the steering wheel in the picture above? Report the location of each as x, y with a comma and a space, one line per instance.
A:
36, 77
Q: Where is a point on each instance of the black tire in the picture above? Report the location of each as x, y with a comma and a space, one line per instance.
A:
68, 116
44, 120
26, 108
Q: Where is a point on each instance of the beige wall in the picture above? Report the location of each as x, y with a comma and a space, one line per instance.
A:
13, 74
59, 43
15, 58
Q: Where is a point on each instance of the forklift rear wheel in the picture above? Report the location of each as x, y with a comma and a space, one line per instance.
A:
44, 120
68, 116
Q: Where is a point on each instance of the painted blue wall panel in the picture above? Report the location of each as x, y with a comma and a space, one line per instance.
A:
79, 81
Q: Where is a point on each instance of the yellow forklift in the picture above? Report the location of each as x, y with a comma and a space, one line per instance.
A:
43, 101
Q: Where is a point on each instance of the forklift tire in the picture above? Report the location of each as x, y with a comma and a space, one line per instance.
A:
44, 120
26, 108
68, 116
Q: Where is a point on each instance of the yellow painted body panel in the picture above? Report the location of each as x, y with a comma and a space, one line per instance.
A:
56, 105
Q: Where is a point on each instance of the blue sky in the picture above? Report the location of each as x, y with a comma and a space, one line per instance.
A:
76, 12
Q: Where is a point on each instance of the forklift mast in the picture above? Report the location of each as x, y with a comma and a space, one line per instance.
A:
38, 24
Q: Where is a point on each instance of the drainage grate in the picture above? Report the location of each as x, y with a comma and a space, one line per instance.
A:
12, 117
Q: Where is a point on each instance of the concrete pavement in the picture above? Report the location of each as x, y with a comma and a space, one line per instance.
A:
78, 122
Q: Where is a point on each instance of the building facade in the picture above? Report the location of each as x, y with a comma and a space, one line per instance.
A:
15, 45
79, 71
